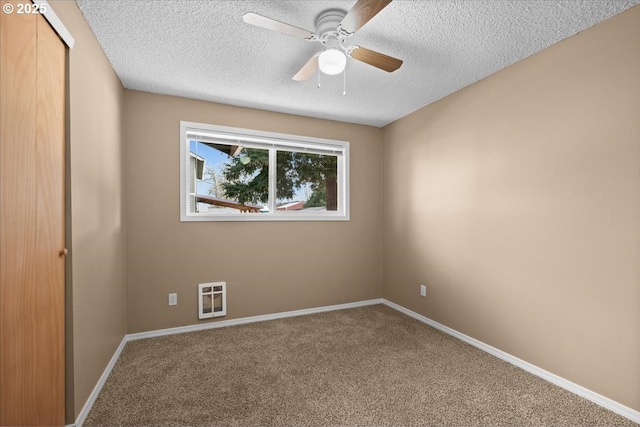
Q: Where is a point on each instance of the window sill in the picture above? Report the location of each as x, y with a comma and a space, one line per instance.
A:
264, 217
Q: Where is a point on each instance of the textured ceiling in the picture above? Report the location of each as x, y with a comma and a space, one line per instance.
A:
204, 50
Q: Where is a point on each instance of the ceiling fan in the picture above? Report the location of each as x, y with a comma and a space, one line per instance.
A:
333, 28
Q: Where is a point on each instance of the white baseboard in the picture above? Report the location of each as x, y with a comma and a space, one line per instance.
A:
581, 391
96, 390
252, 319
598, 399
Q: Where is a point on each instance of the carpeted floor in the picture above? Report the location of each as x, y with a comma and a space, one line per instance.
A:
369, 366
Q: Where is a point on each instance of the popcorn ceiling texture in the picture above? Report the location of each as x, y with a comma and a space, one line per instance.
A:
203, 50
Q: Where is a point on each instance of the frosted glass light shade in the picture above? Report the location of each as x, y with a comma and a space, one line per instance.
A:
332, 61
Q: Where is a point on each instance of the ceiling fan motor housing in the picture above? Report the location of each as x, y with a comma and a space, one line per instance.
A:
327, 24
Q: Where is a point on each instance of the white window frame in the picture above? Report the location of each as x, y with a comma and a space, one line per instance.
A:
271, 141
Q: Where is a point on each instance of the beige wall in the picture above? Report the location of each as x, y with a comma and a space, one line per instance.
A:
269, 267
97, 273
517, 201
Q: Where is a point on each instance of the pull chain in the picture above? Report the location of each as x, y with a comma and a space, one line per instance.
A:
319, 72
344, 81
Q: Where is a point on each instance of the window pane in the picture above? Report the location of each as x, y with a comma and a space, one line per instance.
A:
306, 182
228, 179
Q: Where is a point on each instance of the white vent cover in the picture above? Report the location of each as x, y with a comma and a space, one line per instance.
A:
212, 300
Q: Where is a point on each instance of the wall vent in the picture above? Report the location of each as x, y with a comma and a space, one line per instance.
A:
212, 300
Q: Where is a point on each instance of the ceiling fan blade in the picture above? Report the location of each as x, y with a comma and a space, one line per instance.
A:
377, 59
361, 13
272, 24
307, 69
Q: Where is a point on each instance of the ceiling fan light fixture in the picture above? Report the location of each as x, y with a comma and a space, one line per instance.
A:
332, 61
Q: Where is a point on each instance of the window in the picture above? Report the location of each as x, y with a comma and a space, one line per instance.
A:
232, 174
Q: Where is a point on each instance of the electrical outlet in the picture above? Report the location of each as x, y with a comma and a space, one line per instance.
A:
423, 290
173, 299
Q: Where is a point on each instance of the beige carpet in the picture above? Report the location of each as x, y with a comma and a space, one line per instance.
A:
368, 366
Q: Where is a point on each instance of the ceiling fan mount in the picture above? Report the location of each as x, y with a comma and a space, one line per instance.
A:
333, 28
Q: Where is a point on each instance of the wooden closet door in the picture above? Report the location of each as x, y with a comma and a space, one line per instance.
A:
32, 136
